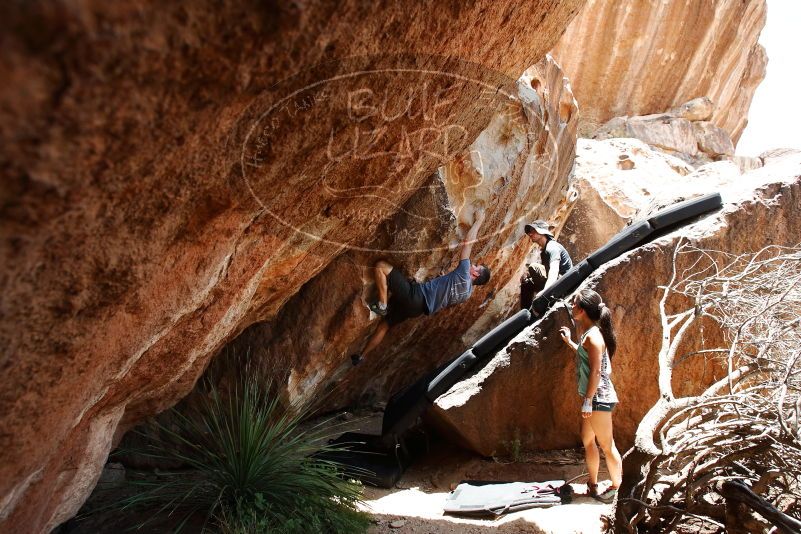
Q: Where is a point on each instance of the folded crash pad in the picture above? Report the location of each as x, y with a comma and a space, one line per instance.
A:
498, 336
450, 375
405, 407
625, 240
493, 499
365, 457
685, 210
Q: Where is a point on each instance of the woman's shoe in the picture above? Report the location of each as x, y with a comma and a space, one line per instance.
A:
592, 490
608, 496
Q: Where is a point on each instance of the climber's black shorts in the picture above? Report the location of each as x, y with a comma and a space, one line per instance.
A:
406, 299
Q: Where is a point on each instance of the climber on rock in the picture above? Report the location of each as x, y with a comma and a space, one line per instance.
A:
400, 298
554, 262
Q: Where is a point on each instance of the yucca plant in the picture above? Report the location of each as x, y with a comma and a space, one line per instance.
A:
250, 468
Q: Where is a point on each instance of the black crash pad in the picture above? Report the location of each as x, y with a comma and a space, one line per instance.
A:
685, 210
450, 375
625, 240
498, 336
405, 407
364, 457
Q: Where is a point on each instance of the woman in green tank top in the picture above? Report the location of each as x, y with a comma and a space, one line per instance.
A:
594, 350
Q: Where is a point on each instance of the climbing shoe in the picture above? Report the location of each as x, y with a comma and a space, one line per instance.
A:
356, 359
607, 496
592, 490
378, 309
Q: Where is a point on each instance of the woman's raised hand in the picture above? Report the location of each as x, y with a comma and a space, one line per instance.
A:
565, 333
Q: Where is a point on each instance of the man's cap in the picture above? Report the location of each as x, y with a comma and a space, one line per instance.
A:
539, 226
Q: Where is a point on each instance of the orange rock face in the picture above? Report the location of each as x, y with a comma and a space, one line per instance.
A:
518, 168
175, 173
528, 392
633, 57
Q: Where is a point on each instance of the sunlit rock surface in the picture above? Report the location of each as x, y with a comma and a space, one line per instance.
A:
640, 57
682, 132
617, 180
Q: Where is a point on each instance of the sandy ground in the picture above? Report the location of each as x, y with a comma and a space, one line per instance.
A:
419, 511
415, 505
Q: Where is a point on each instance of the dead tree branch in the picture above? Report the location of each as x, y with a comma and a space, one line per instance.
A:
742, 429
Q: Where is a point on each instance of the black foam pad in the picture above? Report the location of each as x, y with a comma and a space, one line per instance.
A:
563, 286
406, 406
450, 375
685, 210
363, 457
625, 240
502, 333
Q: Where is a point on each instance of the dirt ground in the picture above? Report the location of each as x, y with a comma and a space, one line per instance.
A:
415, 505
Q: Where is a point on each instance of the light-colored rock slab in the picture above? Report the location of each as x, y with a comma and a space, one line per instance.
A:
697, 109
713, 141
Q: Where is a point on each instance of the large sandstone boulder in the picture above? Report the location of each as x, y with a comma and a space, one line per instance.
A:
632, 57
174, 173
527, 393
618, 179
518, 167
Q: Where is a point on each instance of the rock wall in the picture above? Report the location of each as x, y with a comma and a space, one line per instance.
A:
684, 132
617, 180
528, 391
518, 168
639, 57
175, 173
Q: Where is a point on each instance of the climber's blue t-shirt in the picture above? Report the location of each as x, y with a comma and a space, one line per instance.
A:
448, 289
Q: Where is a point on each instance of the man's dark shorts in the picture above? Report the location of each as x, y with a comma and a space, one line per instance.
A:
406, 299
532, 284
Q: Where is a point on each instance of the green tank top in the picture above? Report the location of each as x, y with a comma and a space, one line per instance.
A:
582, 368
606, 390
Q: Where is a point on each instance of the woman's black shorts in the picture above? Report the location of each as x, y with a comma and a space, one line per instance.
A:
598, 406
406, 299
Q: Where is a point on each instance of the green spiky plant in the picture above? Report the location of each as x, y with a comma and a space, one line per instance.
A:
251, 469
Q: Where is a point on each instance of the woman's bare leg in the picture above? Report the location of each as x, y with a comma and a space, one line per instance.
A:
590, 450
601, 423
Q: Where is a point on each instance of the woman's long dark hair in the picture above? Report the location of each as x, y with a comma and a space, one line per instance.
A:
591, 303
